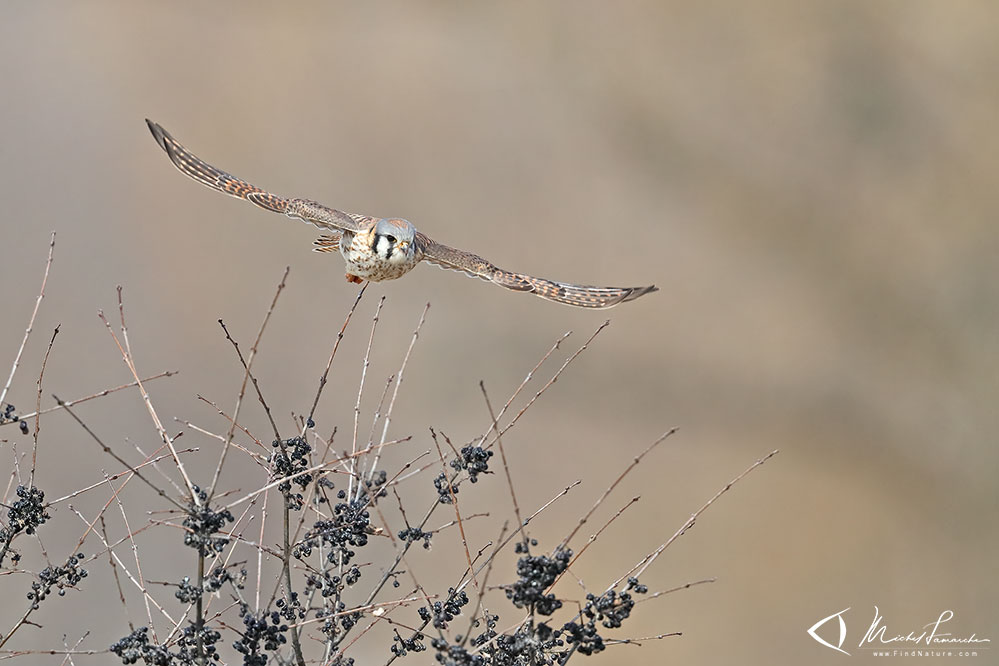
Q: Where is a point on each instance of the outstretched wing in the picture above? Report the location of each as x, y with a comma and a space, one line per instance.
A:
579, 295
191, 165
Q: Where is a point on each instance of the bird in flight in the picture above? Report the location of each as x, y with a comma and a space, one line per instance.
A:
386, 248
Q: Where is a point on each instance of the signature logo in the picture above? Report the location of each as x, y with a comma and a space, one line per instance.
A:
813, 632
932, 634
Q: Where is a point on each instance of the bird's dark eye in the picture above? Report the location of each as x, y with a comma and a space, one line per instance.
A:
391, 239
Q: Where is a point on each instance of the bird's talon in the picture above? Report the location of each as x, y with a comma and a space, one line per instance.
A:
353, 278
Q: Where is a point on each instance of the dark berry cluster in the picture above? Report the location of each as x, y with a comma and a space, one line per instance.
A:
188, 644
524, 546
414, 534
336, 619
455, 655
375, 486
323, 484
136, 646
329, 584
68, 575
189, 593
403, 646
489, 633
8, 415
529, 645
609, 609
186, 592
260, 636
444, 489
536, 574
291, 608
202, 523
585, 636
442, 612
28, 511
349, 527
475, 459
291, 459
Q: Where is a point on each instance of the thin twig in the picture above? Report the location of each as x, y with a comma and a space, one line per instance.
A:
126, 355
647, 561
551, 381
296, 645
685, 586
256, 384
457, 512
452, 523
38, 407
135, 554
242, 389
360, 392
636, 641
593, 537
117, 578
230, 419
173, 454
31, 322
99, 394
329, 364
527, 521
367, 607
100, 514
506, 467
68, 657
260, 551
378, 411
395, 391
157, 467
634, 463
474, 615
525, 382
115, 477
121, 564
258, 458
11, 654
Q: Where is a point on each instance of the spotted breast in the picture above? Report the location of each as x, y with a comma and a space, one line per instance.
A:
382, 252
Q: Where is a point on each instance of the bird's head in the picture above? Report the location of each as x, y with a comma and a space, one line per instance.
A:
394, 240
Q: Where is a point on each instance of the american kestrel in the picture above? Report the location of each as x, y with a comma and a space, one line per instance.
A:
386, 248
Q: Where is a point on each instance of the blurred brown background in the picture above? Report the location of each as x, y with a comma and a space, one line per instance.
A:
812, 185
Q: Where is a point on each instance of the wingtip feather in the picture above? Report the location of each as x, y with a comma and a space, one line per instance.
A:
158, 133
